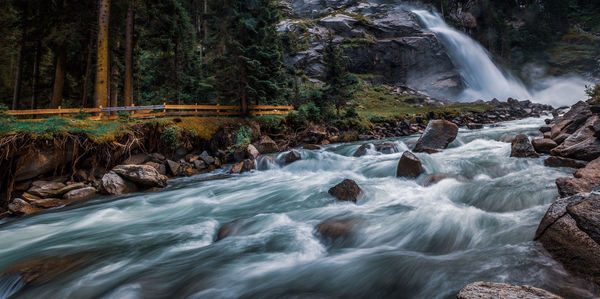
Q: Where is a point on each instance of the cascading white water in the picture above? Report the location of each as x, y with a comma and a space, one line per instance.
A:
486, 80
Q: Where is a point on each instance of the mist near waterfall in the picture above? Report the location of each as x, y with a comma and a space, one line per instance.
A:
485, 80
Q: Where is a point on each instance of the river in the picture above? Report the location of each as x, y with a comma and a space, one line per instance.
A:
411, 241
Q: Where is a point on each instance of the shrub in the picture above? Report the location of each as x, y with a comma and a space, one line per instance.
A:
270, 123
594, 93
351, 113
123, 116
171, 136
295, 119
243, 136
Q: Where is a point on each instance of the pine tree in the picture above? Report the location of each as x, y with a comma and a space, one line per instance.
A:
250, 65
340, 84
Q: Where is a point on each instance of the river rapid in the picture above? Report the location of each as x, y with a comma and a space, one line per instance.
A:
411, 241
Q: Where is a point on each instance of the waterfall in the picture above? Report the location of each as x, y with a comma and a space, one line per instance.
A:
483, 78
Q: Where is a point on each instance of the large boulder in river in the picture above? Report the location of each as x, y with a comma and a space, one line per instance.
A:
437, 136
409, 166
114, 184
336, 228
46, 188
266, 145
556, 161
364, 149
80, 194
582, 144
584, 180
543, 145
570, 232
291, 156
347, 190
141, 174
22, 207
521, 147
481, 290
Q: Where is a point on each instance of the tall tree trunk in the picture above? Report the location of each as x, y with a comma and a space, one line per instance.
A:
88, 69
177, 93
59, 78
101, 91
18, 73
243, 95
114, 89
35, 78
128, 84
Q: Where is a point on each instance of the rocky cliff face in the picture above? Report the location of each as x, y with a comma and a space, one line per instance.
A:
382, 41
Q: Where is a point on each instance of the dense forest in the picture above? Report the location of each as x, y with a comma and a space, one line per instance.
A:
121, 52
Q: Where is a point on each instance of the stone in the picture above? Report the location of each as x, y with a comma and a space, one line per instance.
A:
22, 186
266, 145
311, 147
521, 147
141, 174
585, 180
409, 166
252, 152
174, 167
208, 159
43, 270
556, 161
200, 165
45, 189
70, 187
29, 197
291, 157
80, 194
248, 165
545, 129
474, 126
386, 148
433, 179
236, 168
21, 207
48, 203
543, 145
240, 154
363, 149
229, 229
347, 190
158, 157
41, 162
161, 168
565, 233
481, 290
336, 228
136, 159
437, 136
560, 138
114, 184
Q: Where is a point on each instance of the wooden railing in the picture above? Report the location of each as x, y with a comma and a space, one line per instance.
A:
158, 111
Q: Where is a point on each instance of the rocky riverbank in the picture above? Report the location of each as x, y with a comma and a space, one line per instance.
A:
44, 175
570, 230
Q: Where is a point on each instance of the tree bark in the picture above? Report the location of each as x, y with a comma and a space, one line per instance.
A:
128, 84
243, 95
35, 78
101, 91
18, 74
88, 69
59, 78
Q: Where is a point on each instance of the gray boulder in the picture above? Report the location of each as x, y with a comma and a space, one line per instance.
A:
114, 184
347, 190
521, 147
480, 290
141, 174
437, 136
409, 166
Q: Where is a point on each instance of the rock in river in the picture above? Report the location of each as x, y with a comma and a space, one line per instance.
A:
347, 190
570, 232
521, 147
114, 184
336, 228
543, 145
409, 166
481, 290
437, 136
142, 174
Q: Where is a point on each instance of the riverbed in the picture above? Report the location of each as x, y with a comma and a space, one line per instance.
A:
410, 242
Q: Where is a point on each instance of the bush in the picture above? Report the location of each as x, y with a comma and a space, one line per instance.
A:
351, 113
243, 136
123, 116
171, 136
310, 111
295, 119
270, 123
594, 93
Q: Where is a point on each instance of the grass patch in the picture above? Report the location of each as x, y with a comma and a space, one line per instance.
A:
379, 103
203, 127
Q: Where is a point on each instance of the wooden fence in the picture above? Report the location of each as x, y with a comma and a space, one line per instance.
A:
157, 111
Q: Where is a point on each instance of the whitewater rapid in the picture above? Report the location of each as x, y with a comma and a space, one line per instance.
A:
485, 80
411, 241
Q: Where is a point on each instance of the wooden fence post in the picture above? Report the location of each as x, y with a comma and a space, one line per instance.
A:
218, 110
165, 108
132, 111
100, 113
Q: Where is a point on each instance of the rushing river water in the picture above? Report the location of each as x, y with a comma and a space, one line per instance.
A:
412, 241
